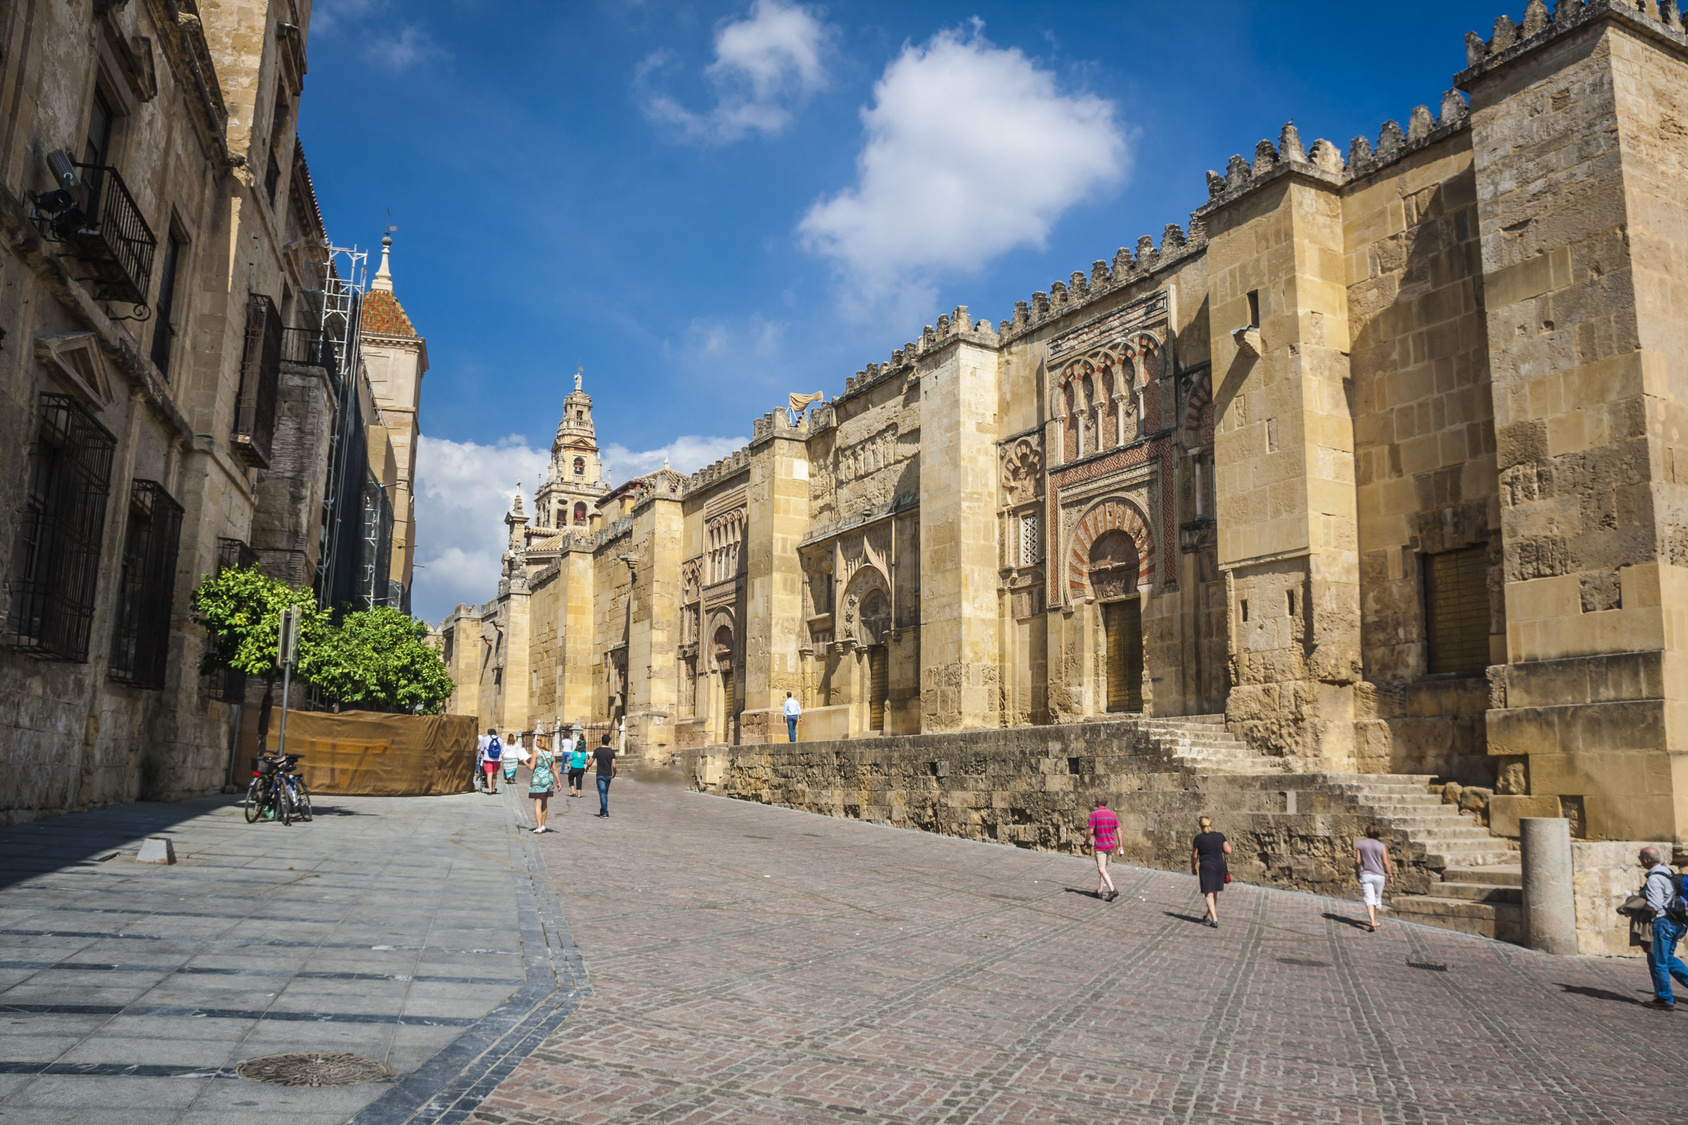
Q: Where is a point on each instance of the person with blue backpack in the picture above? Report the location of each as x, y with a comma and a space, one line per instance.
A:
492, 758
1668, 899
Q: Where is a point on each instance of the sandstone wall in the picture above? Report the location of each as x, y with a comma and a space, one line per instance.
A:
1031, 788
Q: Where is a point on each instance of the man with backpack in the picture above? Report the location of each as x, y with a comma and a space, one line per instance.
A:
1668, 900
492, 757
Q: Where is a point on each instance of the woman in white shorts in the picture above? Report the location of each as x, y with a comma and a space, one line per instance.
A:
1371, 864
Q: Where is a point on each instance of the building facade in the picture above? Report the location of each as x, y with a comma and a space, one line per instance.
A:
175, 392
1377, 457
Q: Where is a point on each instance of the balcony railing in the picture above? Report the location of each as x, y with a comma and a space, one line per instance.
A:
260, 370
309, 348
105, 229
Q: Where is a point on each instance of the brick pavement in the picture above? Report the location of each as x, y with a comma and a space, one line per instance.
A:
751, 964
410, 931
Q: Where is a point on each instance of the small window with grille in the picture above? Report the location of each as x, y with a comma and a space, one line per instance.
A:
56, 558
140, 642
1456, 611
1028, 540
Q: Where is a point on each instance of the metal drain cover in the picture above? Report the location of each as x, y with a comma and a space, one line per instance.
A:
306, 1068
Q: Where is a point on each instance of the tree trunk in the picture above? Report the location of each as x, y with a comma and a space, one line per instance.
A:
264, 717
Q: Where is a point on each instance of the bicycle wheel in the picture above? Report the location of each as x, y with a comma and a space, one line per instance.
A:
254, 801
304, 800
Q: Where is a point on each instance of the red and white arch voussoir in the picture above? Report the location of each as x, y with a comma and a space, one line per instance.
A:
1113, 514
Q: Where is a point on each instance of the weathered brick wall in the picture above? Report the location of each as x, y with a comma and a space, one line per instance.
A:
1032, 787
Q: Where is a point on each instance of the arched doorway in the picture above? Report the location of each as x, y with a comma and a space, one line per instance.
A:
722, 651
875, 624
1113, 580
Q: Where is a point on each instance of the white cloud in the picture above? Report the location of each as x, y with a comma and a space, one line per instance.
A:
327, 15
463, 489
765, 65
685, 455
971, 151
404, 50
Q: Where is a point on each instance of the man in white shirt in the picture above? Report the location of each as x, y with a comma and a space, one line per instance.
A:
1662, 961
793, 712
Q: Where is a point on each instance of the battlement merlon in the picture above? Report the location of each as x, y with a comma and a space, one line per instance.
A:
1659, 20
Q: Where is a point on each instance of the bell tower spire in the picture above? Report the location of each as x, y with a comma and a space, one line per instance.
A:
575, 480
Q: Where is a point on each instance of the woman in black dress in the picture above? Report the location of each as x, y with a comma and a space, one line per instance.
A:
1207, 859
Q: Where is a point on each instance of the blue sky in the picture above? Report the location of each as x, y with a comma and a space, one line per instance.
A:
710, 205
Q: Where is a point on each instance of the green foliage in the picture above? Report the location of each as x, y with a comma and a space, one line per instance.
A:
375, 656
240, 610
379, 656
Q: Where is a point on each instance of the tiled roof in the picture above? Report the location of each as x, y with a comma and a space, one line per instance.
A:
384, 316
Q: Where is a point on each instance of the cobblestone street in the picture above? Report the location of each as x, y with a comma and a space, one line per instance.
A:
752, 964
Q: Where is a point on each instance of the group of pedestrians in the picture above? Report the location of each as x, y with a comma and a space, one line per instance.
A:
1207, 861
495, 755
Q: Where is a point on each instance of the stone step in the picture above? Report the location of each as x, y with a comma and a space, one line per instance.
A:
1502, 921
1449, 857
1437, 828
1499, 874
1480, 892
1416, 808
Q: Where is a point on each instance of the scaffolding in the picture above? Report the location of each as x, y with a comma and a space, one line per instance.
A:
342, 304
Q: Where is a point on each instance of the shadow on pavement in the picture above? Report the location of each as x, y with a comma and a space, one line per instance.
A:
1195, 918
80, 838
1081, 891
1357, 923
1598, 993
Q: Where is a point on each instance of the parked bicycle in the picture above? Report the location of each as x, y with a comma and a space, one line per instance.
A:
276, 792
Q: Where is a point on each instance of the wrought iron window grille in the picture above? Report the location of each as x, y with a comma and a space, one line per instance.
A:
100, 222
260, 371
56, 558
140, 641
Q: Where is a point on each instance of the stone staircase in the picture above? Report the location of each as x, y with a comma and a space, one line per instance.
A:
1481, 884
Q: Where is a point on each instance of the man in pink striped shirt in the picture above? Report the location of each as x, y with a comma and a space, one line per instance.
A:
1102, 836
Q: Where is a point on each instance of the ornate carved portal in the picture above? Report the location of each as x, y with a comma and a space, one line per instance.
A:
1094, 530
867, 608
1113, 566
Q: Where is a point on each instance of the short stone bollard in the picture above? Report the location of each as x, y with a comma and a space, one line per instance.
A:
157, 849
1550, 908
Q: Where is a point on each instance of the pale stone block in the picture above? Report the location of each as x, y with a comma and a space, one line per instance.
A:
1505, 810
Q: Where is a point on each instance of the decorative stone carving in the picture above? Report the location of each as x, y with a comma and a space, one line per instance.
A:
863, 621
1022, 471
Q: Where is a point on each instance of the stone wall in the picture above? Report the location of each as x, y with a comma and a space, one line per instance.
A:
1032, 787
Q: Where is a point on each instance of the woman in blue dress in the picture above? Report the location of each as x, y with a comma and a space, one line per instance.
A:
541, 784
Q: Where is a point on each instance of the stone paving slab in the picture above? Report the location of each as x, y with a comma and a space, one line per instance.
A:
405, 930
755, 964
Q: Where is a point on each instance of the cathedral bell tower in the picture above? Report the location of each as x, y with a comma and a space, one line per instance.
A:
574, 480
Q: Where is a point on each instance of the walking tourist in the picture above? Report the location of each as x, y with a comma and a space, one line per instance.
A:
578, 757
1371, 864
540, 785
1670, 918
1101, 834
481, 744
1207, 859
793, 712
513, 752
605, 754
492, 757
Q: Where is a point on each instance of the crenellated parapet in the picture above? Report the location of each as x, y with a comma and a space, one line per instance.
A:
1324, 162
1127, 268
1659, 19
733, 463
